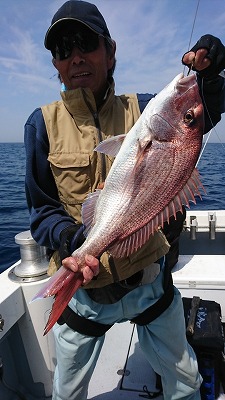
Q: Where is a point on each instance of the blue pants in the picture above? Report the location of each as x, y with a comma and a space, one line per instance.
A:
163, 342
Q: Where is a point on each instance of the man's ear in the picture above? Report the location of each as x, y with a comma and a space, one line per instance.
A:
111, 56
113, 51
53, 62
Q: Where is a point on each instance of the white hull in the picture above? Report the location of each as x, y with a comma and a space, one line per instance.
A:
121, 372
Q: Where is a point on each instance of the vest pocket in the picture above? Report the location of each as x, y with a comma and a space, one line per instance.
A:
71, 172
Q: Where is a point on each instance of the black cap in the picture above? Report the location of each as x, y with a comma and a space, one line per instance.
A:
76, 11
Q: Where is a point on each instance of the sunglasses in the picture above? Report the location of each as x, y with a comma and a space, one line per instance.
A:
86, 42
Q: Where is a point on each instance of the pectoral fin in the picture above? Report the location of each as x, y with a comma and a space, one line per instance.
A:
111, 146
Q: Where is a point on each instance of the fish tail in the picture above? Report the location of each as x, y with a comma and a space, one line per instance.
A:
54, 284
62, 298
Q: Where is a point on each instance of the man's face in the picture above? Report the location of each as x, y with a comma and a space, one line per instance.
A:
86, 69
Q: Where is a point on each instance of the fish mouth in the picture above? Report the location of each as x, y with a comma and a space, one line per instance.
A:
186, 79
185, 83
183, 80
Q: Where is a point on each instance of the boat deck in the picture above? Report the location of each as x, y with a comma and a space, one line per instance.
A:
127, 373
122, 370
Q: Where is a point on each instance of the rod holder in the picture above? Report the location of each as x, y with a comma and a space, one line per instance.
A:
212, 225
193, 227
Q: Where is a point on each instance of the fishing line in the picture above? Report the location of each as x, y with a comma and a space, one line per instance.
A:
192, 30
196, 12
205, 106
53, 76
205, 143
213, 126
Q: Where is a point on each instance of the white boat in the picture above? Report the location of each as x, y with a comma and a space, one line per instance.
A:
27, 358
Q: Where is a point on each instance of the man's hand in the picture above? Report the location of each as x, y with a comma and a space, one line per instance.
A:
90, 270
207, 57
197, 61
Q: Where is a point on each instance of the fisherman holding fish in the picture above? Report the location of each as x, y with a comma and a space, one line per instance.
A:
63, 170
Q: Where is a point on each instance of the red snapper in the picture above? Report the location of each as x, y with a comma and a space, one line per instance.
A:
153, 174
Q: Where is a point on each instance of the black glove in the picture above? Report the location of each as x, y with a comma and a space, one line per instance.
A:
71, 238
216, 54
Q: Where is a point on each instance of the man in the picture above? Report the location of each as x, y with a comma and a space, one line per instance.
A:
62, 169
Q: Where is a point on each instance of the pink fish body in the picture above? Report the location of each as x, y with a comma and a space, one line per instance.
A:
153, 174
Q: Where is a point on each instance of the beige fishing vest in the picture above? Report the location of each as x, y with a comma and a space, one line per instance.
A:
78, 170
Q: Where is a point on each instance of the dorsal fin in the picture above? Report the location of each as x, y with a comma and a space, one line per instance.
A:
88, 210
111, 146
131, 243
138, 238
187, 194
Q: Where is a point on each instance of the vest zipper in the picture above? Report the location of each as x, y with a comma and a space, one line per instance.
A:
100, 138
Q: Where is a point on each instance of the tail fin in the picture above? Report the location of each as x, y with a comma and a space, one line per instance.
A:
54, 284
62, 298
63, 284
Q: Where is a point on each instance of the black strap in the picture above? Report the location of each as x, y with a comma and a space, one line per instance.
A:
114, 292
88, 327
82, 325
154, 311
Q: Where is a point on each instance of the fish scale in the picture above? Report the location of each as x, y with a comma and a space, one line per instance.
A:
153, 174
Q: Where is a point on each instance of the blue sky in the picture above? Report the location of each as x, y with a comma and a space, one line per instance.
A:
151, 37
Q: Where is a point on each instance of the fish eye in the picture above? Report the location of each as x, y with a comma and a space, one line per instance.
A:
189, 117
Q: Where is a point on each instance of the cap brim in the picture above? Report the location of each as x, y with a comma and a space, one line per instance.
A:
58, 25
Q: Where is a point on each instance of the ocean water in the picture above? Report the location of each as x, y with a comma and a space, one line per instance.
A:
14, 217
